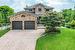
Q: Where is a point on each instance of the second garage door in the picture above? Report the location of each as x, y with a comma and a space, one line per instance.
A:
29, 24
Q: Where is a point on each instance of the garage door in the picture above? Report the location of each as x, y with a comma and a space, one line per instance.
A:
29, 24
16, 25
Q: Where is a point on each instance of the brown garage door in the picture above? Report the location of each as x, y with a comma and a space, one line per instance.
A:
29, 24
17, 25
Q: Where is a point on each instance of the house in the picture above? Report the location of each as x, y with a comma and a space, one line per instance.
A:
29, 18
39, 9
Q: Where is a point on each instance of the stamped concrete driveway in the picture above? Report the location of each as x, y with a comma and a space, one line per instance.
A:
20, 39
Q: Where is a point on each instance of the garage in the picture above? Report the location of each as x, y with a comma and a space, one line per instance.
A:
23, 21
29, 24
17, 25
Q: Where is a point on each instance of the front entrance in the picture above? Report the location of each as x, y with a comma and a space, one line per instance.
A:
29, 24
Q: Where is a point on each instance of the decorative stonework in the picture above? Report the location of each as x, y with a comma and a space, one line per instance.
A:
24, 17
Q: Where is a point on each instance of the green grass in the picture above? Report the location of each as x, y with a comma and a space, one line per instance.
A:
61, 41
2, 32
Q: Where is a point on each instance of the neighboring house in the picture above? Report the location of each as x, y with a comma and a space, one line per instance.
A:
29, 18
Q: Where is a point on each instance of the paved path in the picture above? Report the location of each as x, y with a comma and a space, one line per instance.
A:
20, 39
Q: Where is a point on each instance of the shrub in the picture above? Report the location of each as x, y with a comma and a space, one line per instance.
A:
71, 24
51, 22
52, 29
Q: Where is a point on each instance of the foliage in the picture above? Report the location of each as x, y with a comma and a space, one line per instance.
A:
71, 24
51, 22
69, 17
60, 16
61, 41
5, 12
2, 32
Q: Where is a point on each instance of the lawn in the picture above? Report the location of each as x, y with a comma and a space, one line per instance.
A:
2, 32
61, 41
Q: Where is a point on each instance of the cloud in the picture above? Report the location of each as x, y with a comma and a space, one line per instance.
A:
57, 4
18, 5
60, 4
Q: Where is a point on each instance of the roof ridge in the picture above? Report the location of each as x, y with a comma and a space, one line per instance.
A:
46, 6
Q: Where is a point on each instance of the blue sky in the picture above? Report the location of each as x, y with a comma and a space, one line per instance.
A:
58, 5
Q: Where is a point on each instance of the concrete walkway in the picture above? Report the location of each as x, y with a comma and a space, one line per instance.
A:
20, 39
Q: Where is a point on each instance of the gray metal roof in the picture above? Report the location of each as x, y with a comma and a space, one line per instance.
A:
33, 6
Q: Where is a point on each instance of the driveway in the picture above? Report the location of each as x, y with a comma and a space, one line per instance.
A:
20, 39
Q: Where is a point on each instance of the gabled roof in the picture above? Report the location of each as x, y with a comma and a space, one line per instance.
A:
22, 12
33, 6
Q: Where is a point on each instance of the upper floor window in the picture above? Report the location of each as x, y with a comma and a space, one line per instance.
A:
39, 9
33, 8
30, 9
47, 9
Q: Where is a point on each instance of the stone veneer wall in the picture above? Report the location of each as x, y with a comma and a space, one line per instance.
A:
28, 17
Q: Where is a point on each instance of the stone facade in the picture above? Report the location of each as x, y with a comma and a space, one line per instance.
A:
31, 13
24, 16
38, 9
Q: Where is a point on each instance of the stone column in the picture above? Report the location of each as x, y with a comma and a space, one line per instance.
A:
23, 25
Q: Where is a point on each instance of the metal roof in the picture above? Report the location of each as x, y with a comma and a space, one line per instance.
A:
33, 6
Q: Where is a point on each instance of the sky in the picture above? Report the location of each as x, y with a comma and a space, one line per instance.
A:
19, 5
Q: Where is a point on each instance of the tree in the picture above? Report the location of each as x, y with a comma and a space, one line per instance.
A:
5, 11
69, 16
51, 22
60, 16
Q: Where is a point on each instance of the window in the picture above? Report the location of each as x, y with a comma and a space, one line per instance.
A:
30, 9
39, 17
22, 15
39, 9
33, 8
47, 9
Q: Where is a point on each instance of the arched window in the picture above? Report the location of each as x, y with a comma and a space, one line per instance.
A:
22, 15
